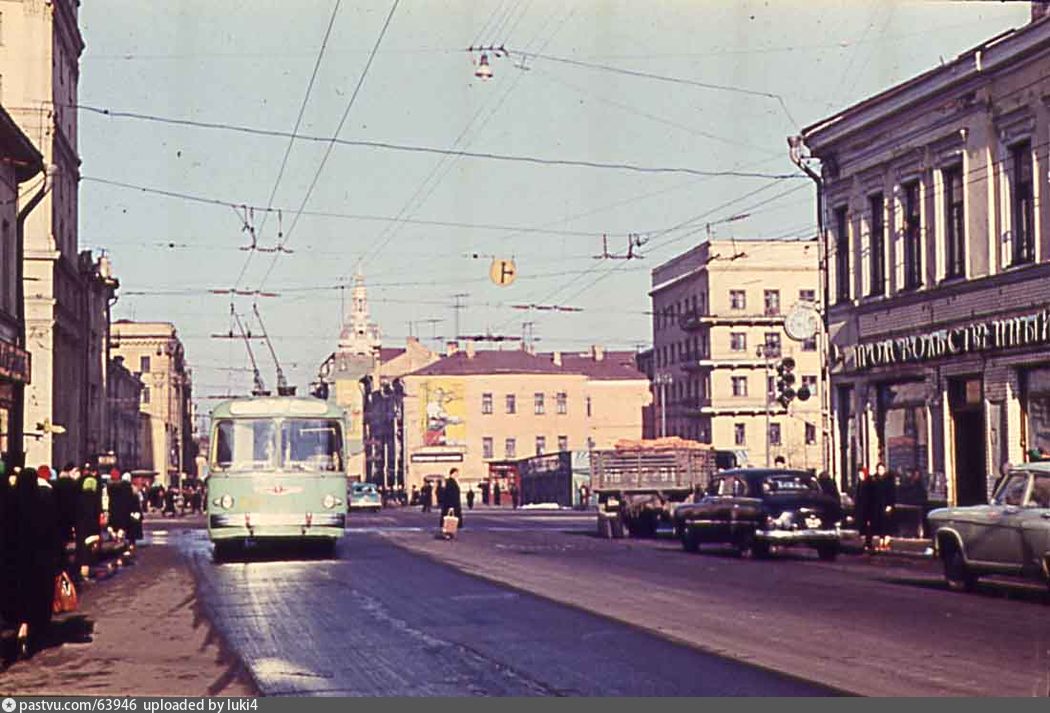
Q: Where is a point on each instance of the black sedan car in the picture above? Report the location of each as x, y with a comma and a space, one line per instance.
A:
753, 509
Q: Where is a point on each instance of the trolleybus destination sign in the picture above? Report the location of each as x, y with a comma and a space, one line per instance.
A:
991, 335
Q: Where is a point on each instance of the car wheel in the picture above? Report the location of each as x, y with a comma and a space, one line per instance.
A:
759, 549
827, 553
690, 543
956, 573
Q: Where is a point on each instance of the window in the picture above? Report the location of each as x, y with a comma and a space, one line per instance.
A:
842, 290
537, 404
773, 344
739, 434
562, 403
587, 402
954, 223
486, 447
541, 445
774, 434
563, 443
738, 342
809, 345
512, 406
144, 364
912, 237
810, 382
811, 434
1022, 236
739, 386
145, 394
311, 444
807, 295
877, 245
737, 299
772, 303
486, 403
510, 448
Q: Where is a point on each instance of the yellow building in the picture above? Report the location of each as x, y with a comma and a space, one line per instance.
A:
473, 407
718, 310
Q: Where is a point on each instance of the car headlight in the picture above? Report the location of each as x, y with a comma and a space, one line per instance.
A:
330, 501
225, 502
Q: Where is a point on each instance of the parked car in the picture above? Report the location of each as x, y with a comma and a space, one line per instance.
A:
756, 508
1011, 535
364, 496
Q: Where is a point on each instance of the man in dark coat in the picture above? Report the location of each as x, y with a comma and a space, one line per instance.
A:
450, 499
87, 521
425, 495
121, 505
470, 498
495, 494
66, 487
37, 561
865, 509
887, 495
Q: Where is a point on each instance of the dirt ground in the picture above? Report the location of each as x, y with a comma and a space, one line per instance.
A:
139, 632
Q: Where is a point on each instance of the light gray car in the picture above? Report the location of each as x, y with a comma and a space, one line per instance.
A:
1011, 535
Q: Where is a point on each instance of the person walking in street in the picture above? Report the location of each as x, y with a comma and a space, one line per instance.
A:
134, 533
450, 498
495, 495
470, 498
866, 504
66, 487
413, 498
514, 495
425, 495
37, 560
170, 496
88, 522
887, 498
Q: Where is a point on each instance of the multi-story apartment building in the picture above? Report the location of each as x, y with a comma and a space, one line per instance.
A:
718, 333
473, 407
154, 353
124, 419
938, 250
19, 163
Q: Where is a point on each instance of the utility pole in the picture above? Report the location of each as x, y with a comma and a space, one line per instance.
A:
458, 305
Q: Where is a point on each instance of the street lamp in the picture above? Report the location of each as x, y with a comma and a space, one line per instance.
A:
662, 380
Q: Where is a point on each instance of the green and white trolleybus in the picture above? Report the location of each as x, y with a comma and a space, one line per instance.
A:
276, 471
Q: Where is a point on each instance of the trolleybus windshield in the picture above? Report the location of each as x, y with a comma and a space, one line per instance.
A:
265, 444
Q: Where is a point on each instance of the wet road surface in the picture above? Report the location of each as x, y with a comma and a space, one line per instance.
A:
381, 620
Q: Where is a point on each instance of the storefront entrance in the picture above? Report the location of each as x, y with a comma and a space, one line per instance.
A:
966, 401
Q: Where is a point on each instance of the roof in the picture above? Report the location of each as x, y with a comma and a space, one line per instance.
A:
612, 367
390, 353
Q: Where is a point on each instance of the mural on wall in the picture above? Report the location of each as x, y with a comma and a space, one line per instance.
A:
444, 414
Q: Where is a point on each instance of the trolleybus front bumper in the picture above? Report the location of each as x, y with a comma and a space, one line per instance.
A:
276, 525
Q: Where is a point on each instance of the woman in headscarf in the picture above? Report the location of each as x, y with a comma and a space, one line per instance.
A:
37, 561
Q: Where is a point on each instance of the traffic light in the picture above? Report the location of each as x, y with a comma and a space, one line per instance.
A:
785, 381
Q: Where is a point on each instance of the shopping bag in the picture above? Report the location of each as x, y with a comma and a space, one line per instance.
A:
449, 524
65, 599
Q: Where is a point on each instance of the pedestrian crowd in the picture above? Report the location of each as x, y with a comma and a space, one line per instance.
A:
888, 505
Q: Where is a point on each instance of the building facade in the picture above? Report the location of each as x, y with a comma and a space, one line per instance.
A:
153, 352
938, 251
19, 163
475, 407
124, 419
718, 333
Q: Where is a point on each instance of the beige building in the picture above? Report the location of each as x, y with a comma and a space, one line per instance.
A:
938, 243
714, 308
153, 352
473, 407
64, 291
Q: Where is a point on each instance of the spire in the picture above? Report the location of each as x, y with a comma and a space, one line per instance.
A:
359, 335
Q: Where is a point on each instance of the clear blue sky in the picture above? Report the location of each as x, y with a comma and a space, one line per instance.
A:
248, 63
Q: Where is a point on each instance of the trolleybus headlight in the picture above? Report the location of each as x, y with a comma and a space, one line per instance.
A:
330, 501
226, 501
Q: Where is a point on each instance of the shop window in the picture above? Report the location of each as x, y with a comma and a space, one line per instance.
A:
902, 425
877, 245
842, 287
1022, 237
954, 223
912, 236
1036, 404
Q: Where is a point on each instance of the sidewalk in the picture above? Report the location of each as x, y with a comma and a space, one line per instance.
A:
899, 547
138, 632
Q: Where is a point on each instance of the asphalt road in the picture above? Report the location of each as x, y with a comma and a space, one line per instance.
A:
381, 620
870, 625
532, 603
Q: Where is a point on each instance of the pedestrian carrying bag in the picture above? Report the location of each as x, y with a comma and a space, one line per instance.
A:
449, 524
65, 599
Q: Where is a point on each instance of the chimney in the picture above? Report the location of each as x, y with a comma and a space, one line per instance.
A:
1040, 9
469, 344
556, 358
598, 352
451, 348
